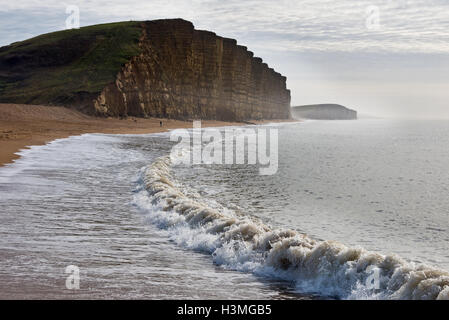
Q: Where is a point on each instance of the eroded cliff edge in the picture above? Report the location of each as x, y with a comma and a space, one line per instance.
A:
167, 69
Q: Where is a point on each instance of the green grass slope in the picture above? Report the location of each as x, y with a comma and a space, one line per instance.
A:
67, 67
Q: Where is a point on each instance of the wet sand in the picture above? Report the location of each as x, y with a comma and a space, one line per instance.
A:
26, 125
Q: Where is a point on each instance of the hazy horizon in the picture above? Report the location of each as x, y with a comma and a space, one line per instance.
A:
393, 66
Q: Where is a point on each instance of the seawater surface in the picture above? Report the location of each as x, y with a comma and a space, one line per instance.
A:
348, 197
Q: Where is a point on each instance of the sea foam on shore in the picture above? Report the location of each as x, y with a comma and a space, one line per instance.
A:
244, 243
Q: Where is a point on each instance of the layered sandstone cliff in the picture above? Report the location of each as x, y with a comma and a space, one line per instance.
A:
163, 68
185, 73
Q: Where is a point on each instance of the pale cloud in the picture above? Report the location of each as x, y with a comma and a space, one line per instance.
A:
324, 25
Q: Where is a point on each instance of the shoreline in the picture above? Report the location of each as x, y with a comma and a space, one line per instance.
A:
24, 125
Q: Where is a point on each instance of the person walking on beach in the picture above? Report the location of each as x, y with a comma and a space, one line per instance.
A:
160, 123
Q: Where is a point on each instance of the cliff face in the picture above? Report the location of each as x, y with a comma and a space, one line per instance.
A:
161, 68
324, 112
185, 73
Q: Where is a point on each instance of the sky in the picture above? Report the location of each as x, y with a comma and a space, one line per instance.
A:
384, 58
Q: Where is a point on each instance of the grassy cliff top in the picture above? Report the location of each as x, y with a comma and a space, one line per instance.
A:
67, 66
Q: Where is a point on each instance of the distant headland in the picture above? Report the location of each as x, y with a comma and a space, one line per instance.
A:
324, 112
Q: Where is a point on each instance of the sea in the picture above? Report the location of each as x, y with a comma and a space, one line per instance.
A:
355, 210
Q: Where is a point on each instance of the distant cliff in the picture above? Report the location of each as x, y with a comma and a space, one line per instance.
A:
160, 68
324, 112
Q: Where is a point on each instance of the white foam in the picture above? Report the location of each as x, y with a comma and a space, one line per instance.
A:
241, 242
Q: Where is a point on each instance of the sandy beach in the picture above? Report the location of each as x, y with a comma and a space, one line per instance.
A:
26, 125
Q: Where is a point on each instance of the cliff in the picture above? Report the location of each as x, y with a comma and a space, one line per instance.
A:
160, 68
324, 112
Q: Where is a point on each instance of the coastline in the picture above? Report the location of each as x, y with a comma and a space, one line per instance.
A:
26, 125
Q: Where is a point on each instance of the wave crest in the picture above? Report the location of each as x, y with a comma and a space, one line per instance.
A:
244, 243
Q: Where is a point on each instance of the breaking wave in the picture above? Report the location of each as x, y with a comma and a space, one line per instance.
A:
244, 243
